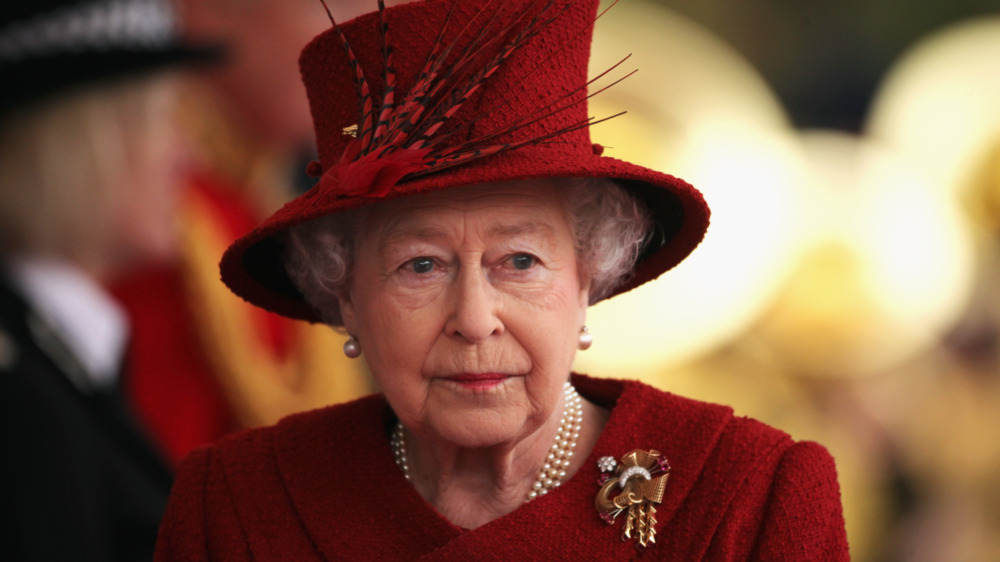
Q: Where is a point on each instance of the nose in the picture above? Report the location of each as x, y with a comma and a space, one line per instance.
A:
475, 307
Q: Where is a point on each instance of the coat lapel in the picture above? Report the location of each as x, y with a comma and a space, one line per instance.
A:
337, 466
565, 523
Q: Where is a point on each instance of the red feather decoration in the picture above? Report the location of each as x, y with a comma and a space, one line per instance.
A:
410, 136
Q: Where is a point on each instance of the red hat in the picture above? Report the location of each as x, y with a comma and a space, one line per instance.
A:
479, 92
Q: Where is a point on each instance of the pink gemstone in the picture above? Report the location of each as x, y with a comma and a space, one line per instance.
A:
603, 479
607, 518
664, 464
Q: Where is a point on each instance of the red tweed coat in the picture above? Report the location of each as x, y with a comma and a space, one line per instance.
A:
323, 485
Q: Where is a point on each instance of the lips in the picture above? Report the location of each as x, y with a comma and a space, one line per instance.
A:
479, 377
478, 382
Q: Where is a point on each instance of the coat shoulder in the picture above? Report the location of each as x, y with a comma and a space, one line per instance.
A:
312, 421
752, 489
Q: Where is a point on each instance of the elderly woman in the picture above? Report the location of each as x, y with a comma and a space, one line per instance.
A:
462, 225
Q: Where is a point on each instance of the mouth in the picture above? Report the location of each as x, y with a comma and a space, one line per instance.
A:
479, 381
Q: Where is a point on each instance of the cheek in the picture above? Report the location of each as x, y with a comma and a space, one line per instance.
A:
547, 327
395, 330
415, 301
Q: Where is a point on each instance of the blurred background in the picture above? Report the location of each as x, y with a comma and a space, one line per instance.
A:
848, 290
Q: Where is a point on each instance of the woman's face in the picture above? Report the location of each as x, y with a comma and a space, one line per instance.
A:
467, 304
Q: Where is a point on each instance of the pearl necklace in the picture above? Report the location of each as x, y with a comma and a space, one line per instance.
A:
551, 475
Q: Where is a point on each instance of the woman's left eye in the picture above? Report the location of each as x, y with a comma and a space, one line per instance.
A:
522, 261
421, 265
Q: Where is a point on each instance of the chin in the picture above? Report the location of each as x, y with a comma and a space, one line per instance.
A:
475, 431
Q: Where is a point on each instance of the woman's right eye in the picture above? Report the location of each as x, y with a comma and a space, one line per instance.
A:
421, 265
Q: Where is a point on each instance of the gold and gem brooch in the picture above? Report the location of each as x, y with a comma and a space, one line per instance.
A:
633, 485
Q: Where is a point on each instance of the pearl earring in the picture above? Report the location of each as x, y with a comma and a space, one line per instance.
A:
352, 348
586, 340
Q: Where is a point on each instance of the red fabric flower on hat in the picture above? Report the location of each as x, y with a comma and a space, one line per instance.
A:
372, 175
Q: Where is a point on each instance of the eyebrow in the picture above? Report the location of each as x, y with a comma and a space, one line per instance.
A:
517, 229
432, 232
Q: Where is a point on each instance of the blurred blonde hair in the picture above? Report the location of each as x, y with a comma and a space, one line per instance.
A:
66, 165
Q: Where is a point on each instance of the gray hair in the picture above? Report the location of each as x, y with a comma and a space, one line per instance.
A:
610, 226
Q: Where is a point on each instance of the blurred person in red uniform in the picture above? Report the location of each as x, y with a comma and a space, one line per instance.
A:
205, 363
90, 168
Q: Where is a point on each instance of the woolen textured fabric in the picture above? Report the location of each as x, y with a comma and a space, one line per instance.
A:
323, 486
551, 67
78, 481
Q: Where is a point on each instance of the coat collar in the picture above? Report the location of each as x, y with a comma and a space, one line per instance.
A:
337, 463
70, 307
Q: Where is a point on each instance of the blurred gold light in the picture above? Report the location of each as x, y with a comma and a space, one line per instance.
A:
940, 102
891, 268
699, 111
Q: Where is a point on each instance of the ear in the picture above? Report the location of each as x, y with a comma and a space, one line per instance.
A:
347, 312
584, 301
